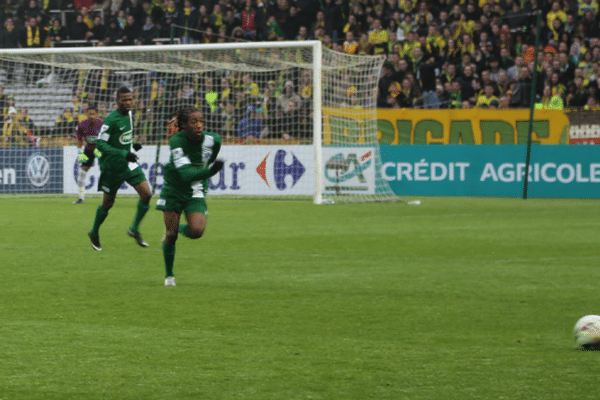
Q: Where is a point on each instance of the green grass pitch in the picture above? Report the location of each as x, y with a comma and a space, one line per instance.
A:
456, 298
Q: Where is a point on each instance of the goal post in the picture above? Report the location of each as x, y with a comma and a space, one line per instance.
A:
317, 64
297, 120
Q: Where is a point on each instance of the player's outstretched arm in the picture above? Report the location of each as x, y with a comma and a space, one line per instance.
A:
188, 173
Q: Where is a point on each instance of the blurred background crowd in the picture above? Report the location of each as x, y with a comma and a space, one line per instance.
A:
439, 54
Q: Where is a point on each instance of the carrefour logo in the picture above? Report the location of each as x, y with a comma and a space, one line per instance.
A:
281, 169
38, 170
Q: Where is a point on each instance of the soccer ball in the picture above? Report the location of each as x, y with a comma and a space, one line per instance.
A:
587, 331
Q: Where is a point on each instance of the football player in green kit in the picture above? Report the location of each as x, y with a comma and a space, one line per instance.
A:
192, 161
117, 165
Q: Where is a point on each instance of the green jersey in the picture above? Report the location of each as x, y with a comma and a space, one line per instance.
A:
114, 141
186, 174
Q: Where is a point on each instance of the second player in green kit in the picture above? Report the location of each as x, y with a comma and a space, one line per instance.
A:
118, 164
193, 160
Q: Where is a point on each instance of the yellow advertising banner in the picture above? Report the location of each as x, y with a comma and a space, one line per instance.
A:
471, 126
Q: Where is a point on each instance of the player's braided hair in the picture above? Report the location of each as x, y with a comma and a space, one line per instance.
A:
184, 115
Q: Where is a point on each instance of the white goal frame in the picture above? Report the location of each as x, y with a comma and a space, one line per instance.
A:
315, 46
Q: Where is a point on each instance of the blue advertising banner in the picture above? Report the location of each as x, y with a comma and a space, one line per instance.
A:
31, 170
566, 171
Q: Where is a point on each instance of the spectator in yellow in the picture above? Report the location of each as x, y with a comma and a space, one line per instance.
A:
555, 84
465, 26
28, 129
503, 83
216, 16
392, 42
490, 2
434, 38
87, 19
226, 90
424, 11
587, 5
319, 34
409, 46
466, 45
13, 132
250, 87
65, 124
319, 23
418, 59
550, 101
487, 96
556, 12
378, 36
407, 6
448, 74
306, 82
82, 114
585, 68
350, 44
352, 25
9, 102
557, 27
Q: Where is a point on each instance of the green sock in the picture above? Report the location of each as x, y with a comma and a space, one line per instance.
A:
184, 230
142, 208
101, 215
169, 255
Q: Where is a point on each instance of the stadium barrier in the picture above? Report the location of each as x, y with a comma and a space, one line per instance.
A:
252, 170
492, 171
472, 126
489, 170
31, 170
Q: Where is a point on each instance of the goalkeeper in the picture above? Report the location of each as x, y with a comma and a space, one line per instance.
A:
118, 164
86, 135
192, 161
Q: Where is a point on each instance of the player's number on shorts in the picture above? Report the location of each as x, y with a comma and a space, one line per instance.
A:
197, 189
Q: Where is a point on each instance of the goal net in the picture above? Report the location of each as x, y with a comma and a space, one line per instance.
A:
296, 120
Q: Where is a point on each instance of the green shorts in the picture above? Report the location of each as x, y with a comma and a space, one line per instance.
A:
110, 181
181, 204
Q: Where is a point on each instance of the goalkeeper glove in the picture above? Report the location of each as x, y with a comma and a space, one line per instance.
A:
82, 157
137, 146
131, 157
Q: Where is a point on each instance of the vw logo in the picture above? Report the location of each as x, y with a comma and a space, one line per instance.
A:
38, 170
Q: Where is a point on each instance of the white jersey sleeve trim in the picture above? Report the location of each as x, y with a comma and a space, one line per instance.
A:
103, 134
209, 141
179, 158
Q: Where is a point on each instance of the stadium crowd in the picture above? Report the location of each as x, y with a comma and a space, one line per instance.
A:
439, 54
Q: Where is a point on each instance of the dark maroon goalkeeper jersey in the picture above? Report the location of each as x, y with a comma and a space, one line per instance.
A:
88, 132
